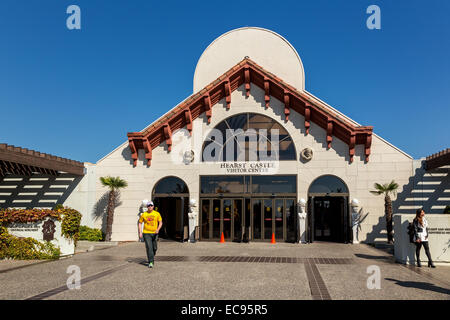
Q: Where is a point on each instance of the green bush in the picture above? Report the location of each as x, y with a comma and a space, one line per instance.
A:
70, 225
29, 248
91, 234
447, 209
13, 247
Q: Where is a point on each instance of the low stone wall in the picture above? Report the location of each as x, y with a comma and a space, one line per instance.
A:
35, 230
439, 239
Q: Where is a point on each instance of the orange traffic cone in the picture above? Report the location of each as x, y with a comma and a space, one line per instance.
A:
273, 238
222, 239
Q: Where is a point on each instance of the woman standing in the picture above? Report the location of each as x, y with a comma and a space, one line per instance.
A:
421, 236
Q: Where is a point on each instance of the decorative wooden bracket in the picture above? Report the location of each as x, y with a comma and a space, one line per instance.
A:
351, 147
134, 154
329, 132
148, 151
267, 92
168, 136
207, 102
307, 118
368, 145
286, 105
188, 119
247, 80
228, 93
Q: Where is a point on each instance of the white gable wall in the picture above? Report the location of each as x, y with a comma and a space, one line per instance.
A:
386, 163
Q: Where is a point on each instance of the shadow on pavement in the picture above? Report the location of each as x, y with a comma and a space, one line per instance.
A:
420, 285
368, 256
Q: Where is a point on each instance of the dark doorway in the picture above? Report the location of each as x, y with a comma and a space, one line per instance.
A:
171, 198
173, 212
329, 219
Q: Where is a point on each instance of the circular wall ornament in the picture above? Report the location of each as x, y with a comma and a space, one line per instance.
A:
307, 154
188, 157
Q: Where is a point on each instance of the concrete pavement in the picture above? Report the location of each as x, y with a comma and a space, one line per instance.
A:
239, 271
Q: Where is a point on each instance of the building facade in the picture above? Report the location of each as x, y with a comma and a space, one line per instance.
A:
210, 159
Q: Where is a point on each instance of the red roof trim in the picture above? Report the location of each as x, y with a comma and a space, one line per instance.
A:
247, 72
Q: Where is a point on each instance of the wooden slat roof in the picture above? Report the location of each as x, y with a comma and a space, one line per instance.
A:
22, 161
438, 159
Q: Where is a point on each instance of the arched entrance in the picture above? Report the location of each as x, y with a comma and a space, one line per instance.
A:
248, 204
171, 198
328, 217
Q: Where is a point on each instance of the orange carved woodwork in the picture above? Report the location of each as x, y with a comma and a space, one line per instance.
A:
168, 136
247, 80
351, 147
207, 103
307, 118
148, 151
188, 119
266, 91
245, 73
287, 112
329, 133
228, 93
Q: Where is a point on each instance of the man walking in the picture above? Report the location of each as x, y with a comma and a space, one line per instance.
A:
152, 224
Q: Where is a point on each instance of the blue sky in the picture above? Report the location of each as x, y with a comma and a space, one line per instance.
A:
76, 93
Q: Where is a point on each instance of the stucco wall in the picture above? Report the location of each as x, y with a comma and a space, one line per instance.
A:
386, 163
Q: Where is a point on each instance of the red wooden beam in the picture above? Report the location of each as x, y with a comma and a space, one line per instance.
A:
368, 145
227, 93
287, 112
134, 154
266, 91
168, 136
207, 103
307, 118
247, 80
188, 119
148, 151
329, 132
351, 147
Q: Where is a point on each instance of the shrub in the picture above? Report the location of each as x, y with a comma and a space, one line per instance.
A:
91, 234
25, 248
70, 225
29, 248
447, 209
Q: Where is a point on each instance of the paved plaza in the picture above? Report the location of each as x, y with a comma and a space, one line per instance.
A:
210, 270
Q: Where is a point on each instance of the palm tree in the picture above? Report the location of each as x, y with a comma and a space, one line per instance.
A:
114, 184
387, 189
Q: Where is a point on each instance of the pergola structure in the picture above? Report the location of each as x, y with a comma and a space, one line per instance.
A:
438, 159
22, 161
248, 72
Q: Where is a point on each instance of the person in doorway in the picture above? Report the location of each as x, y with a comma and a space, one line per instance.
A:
421, 236
152, 224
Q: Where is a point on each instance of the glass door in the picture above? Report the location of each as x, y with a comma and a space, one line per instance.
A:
238, 220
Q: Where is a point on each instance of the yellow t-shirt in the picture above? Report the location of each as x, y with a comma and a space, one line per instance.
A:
150, 220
